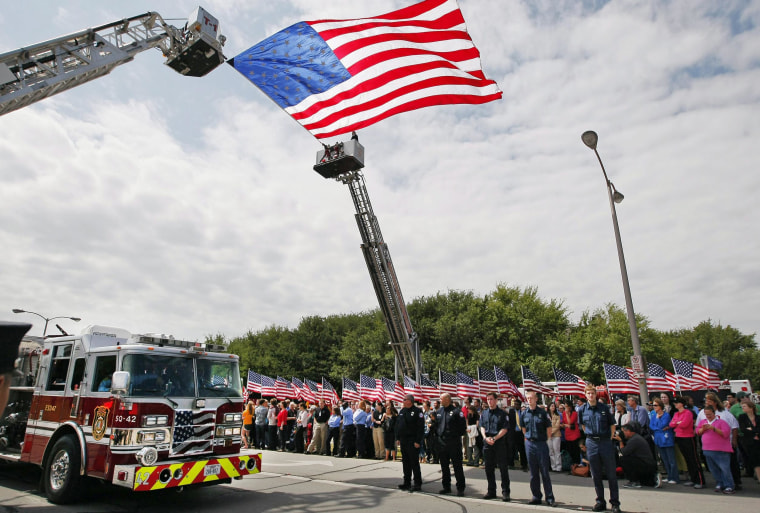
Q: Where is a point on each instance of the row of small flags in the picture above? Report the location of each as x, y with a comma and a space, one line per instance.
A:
620, 380
380, 389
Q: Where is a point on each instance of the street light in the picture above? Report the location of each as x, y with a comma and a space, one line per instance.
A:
47, 319
590, 139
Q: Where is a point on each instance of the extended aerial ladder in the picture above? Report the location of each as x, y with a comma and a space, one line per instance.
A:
343, 162
33, 73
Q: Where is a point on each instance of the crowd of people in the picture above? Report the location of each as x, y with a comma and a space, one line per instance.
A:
586, 436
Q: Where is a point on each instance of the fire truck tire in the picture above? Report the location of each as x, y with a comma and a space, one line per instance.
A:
60, 476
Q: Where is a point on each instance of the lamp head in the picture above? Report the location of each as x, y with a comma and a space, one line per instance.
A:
590, 139
18, 310
77, 319
617, 197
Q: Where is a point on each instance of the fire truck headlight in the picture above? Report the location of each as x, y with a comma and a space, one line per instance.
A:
151, 436
155, 420
231, 418
147, 456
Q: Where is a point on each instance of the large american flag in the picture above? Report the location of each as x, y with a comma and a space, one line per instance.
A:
466, 386
487, 381
412, 387
314, 387
393, 390
568, 383
304, 392
506, 385
370, 389
328, 392
254, 382
429, 389
659, 379
620, 380
335, 76
532, 383
692, 376
447, 382
193, 432
350, 392
267, 387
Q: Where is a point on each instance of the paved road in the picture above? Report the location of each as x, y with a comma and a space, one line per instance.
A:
295, 483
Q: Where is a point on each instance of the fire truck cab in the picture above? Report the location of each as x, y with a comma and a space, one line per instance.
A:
146, 412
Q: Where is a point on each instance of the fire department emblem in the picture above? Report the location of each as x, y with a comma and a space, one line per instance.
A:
99, 422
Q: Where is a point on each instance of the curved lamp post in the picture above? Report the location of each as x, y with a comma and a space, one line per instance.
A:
47, 319
590, 139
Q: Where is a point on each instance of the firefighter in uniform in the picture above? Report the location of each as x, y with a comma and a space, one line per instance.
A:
451, 427
410, 432
537, 428
599, 426
494, 426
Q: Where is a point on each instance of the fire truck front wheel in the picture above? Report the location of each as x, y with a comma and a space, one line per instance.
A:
61, 473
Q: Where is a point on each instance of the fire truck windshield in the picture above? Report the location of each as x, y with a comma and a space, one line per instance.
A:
153, 375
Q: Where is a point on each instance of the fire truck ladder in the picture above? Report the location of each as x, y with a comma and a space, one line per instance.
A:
35, 72
343, 163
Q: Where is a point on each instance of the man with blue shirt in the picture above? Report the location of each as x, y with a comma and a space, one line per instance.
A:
537, 429
494, 426
599, 427
348, 437
360, 423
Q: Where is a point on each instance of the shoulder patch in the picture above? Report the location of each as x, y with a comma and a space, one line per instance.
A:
461, 414
421, 415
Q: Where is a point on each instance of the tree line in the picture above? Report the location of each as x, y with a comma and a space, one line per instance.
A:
507, 327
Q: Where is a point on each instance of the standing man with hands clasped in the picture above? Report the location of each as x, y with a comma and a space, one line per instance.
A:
451, 428
537, 428
599, 426
494, 426
410, 432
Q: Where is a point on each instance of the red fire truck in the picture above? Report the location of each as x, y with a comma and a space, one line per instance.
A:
146, 412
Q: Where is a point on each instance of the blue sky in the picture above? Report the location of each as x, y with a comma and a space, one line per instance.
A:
160, 203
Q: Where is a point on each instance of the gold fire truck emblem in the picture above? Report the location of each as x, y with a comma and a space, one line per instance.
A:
99, 422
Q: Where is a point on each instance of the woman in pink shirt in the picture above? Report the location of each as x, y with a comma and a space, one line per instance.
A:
683, 427
716, 445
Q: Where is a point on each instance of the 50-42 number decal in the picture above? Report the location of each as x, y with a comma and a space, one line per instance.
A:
129, 419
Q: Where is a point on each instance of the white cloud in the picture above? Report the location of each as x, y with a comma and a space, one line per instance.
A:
160, 203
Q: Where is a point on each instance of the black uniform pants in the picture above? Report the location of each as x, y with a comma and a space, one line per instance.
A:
451, 451
410, 462
496, 456
348, 441
517, 446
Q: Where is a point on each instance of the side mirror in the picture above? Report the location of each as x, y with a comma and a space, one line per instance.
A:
120, 382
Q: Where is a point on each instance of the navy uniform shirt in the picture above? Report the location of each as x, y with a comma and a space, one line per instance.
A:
596, 420
451, 422
535, 423
493, 421
410, 425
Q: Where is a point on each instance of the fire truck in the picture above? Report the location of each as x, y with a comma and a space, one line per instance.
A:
146, 412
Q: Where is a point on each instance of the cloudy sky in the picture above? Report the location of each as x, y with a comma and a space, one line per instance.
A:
160, 203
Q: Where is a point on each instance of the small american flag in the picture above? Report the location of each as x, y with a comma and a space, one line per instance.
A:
429, 389
350, 393
620, 380
466, 385
335, 76
532, 383
254, 382
393, 390
328, 392
193, 432
487, 381
659, 379
448, 382
714, 363
370, 389
412, 387
303, 392
691, 376
284, 389
268, 388
568, 383
314, 387
217, 381
506, 385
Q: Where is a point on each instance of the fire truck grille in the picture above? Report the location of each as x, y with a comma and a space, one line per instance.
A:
193, 432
